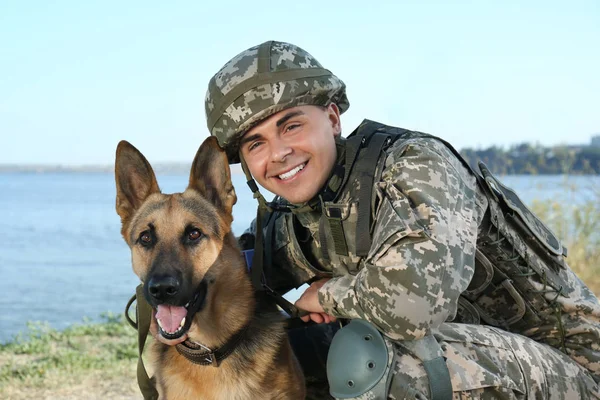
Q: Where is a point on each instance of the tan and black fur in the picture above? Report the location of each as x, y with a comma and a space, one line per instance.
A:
185, 240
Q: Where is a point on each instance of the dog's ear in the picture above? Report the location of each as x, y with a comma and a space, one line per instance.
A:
211, 176
135, 180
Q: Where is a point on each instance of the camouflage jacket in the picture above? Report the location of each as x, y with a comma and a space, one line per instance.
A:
434, 230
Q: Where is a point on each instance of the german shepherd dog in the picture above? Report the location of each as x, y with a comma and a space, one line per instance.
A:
194, 277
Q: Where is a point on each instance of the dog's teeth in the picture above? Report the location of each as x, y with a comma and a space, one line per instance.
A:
187, 305
175, 331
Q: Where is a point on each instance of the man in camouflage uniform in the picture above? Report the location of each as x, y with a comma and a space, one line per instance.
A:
433, 245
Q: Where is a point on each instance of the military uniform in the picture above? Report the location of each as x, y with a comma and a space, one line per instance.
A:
427, 213
434, 248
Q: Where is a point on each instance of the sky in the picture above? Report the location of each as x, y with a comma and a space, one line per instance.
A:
76, 77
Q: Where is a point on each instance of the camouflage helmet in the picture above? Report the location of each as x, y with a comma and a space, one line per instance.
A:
262, 81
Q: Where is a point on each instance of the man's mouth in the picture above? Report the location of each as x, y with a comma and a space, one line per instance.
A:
291, 173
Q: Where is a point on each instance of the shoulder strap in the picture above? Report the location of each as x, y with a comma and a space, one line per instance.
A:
354, 143
375, 136
365, 136
366, 176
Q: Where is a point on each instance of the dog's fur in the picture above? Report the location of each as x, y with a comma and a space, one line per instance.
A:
185, 240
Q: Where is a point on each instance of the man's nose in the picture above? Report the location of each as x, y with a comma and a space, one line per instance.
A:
280, 150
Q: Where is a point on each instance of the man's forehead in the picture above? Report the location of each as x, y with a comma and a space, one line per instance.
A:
278, 118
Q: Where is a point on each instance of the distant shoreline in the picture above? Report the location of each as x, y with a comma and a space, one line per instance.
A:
518, 159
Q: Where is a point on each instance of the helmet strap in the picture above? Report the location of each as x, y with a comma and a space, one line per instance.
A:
262, 203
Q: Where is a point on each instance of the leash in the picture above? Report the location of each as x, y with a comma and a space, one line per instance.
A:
142, 324
258, 281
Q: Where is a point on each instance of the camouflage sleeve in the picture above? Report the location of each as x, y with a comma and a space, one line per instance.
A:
422, 253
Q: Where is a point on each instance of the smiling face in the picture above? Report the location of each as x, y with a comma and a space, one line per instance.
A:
292, 153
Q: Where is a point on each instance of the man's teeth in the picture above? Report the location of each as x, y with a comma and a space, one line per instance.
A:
293, 172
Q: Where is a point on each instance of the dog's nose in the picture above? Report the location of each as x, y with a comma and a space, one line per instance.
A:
163, 288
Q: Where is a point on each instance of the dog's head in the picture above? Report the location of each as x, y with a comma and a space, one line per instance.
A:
176, 239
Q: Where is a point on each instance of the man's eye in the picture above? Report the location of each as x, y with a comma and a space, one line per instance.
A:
291, 127
254, 146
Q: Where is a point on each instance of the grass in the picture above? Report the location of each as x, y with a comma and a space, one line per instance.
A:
83, 361
579, 229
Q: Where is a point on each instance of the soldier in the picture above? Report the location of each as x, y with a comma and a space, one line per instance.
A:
399, 236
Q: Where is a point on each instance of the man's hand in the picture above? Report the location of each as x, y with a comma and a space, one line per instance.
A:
309, 301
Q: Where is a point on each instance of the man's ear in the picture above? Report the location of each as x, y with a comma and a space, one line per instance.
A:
135, 181
333, 114
210, 175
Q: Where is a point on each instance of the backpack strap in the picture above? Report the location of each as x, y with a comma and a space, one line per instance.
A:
365, 136
354, 143
366, 176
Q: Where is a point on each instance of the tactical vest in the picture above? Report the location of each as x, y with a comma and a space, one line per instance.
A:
518, 261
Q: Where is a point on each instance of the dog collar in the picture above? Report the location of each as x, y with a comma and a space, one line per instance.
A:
199, 354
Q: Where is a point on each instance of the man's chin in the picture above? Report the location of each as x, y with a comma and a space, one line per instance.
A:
297, 196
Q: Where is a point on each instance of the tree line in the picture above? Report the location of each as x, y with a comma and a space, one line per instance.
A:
529, 159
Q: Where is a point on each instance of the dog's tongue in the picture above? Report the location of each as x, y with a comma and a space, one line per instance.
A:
170, 316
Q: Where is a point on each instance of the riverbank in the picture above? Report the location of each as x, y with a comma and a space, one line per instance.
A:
89, 361
98, 360
85, 361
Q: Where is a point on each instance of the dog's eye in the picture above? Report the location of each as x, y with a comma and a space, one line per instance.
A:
145, 238
194, 234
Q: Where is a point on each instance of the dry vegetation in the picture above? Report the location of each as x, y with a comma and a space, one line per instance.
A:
579, 229
91, 361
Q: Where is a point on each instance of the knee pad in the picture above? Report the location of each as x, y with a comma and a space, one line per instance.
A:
357, 360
